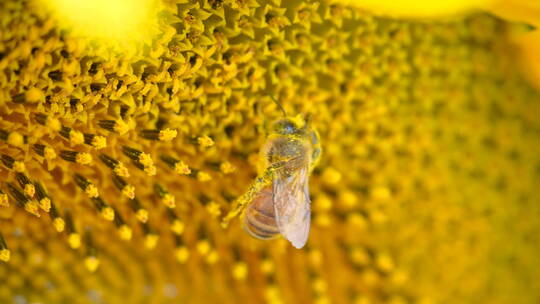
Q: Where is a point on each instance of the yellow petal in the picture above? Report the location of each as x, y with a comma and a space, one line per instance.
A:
418, 8
527, 11
529, 51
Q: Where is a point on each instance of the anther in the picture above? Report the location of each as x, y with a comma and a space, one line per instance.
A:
74, 137
140, 213
177, 226
4, 251
25, 184
162, 135
96, 141
74, 238
91, 260
177, 165
150, 237
49, 122
166, 198
44, 151
117, 126
127, 189
82, 158
13, 164
180, 252
205, 141
4, 201
118, 168
86, 185
22, 200
13, 138
104, 209
58, 222
43, 199
124, 230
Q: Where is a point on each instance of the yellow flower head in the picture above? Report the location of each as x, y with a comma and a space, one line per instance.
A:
129, 129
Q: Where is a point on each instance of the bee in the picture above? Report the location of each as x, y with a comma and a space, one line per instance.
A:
278, 201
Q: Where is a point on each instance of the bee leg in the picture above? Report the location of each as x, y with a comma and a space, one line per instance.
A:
240, 204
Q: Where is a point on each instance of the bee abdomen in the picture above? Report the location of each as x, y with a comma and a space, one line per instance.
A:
259, 217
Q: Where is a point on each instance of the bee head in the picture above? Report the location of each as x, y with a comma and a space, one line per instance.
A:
290, 126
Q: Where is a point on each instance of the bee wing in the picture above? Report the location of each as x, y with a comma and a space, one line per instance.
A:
292, 205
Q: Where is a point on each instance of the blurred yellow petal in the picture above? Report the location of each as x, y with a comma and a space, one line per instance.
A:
527, 11
418, 8
529, 52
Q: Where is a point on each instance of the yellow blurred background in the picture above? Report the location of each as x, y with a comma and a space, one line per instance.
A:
128, 128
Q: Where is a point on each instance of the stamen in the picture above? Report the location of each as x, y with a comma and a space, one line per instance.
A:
87, 186
177, 165
25, 183
162, 135
104, 209
4, 201
96, 141
177, 226
49, 122
124, 230
166, 198
4, 251
82, 158
150, 170
58, 223
127, 189
22, 200
13, 138
91, 261
74, 238
43, 199
140, 212
150, 237
117, 126
118, 168
74, 137
11, 163
205, 141
181, 252
45, 151
227, 168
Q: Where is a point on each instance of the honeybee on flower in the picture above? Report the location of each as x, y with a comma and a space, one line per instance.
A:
278, 201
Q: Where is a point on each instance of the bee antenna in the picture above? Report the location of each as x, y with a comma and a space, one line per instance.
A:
279, 105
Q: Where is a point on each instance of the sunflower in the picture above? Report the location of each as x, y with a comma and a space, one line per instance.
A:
120, 154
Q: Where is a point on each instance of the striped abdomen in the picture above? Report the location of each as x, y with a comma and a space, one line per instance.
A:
259, 217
